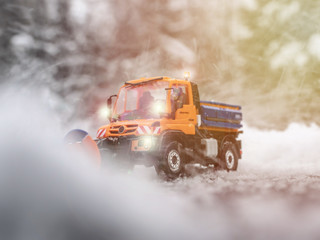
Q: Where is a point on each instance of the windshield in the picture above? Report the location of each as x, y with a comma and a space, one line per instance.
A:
145, 101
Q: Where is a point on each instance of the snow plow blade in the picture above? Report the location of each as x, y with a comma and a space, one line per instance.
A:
80, 142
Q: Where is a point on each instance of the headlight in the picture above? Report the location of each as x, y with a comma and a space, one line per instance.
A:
104, 112
158, 107
145, 142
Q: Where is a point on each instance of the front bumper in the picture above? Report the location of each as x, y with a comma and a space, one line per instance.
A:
141, 150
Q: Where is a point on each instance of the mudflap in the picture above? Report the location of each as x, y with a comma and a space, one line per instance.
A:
81, 143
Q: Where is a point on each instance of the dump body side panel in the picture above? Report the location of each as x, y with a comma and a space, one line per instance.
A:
215, 116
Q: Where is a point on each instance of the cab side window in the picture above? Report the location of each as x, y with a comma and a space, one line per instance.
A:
179, 96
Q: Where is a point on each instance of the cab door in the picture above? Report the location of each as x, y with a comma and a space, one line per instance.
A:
182, 108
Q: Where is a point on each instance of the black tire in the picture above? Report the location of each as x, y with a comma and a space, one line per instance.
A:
159, 170
229, 157
171, 166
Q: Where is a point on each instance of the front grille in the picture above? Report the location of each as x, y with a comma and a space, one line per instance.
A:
129, 128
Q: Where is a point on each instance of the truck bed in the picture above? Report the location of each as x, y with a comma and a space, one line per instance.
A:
220, 115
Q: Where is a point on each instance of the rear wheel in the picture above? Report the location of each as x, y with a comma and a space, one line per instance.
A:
229, 157
172, 162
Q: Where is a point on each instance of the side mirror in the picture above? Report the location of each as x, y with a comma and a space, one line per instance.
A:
110, 104
109, 101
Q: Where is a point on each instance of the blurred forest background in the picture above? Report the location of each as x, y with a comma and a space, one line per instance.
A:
262, 54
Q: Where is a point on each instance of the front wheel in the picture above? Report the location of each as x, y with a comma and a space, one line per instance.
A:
229, 157
173, 162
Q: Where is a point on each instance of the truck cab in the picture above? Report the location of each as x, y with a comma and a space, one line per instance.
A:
161, 122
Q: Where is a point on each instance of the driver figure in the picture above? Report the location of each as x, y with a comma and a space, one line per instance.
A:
177, 98
146, 100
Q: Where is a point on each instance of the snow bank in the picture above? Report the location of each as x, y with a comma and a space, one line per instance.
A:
293, 150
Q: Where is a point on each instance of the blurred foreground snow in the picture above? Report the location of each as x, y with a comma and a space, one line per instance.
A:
49, 194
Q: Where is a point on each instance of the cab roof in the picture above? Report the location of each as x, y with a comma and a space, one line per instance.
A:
145, 80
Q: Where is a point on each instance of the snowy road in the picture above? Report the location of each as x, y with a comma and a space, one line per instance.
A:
251, 205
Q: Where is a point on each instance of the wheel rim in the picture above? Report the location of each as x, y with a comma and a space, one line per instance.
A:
174, 161
229, 159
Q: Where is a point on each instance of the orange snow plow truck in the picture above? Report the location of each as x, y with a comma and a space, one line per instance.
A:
161, 122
